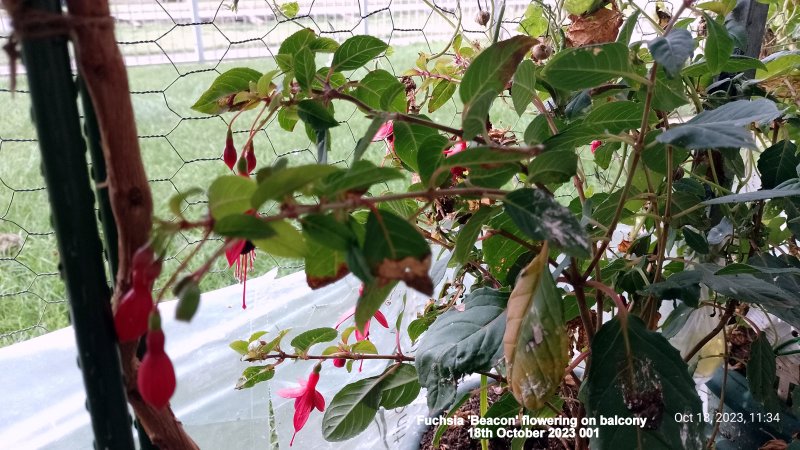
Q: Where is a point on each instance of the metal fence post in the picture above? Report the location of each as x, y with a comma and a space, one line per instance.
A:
198, 32
55, 111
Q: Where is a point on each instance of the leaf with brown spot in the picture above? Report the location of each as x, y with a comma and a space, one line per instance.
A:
411, 271
395, 250
535, 342
598, 28
324, 265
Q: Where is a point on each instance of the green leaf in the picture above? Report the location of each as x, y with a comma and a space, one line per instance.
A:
296, 42
316, 115
360, 177
761, 372
431, 158
371, 88
324, 265
680, 286
778, 64
696, 241
609, 118
364, 347
244, 226
230, 194
535, 343
719, 45
328, 231
264, 84
419, 326
254, 375
442, 92
278, 185
723, 127
256, 335
492, 69
542, 218
286, 242
214, 99
579, 7
672, 51
395, 250
641, 376
736, 63
676, 320
375, 293
539, 130
501, 253
304, 341
176, 201
304, 68
590, 66
469, 233
778, 164
287, 118
408, 139
524, 87
476, 114
325, 45
400, 387
352, 409
357, 51
791, 190
625, 33
460, 343
239, 347
534, 22
393, 98
553, 167
290, 9
668, 93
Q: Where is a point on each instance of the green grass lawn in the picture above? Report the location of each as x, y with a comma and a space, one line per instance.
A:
181, 149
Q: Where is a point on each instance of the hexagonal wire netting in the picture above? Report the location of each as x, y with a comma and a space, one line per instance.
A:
173, 50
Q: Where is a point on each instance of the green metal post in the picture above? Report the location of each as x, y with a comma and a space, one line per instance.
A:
53, 94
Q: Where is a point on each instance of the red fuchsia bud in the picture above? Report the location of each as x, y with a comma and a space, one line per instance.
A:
339, 362
361, 290
250, 157
596, 145
156, 377
229, 154
146, 268
130, 319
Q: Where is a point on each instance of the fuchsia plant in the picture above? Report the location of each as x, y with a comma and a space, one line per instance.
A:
536, 291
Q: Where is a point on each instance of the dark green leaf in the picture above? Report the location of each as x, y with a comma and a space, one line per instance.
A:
542, 218
244, 226
419, 326
351, 410
476, 114
375, 293
625, 33
316, 115
469, 233
230, 194
696, 241
324, 45
493, 68
400, 387
408, 139
676, 320
668, 93
360, 177
303, 341
460, 343
430, 158
778, 164
286, 242
328, 231
287, 118
324, 265
214, 99
736, 63
682, 286
501, 253
539, 130
672, 51
365, 140
373, 85
761, 372
254, 375
553, 167
357, 51
524, 87
393, 98
722, 127
790, 190
719, 45
590, 66
609, 118
641, 376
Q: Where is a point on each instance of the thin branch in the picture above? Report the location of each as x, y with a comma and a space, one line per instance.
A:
729, 310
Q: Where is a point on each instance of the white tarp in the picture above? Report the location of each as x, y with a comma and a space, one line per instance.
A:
43, 396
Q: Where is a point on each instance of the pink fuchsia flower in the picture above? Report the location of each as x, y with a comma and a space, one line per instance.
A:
241, 252
306, 398
386, 133
595, 145
156, 376
458, 147
365, 335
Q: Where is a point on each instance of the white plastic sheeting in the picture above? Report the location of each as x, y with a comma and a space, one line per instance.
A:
43, 396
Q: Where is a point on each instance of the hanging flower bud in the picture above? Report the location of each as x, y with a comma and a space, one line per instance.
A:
339, 362
145, 268
250, 157
596, 145
130, 319
156, 377
229, 154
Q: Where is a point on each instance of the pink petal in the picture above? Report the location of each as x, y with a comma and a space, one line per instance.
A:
233, 252
319, 401
292, 392
384, 131
381, 319
361, 336
302, 409
347, 314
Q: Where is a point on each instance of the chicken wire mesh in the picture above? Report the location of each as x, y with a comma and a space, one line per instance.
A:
173, 51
